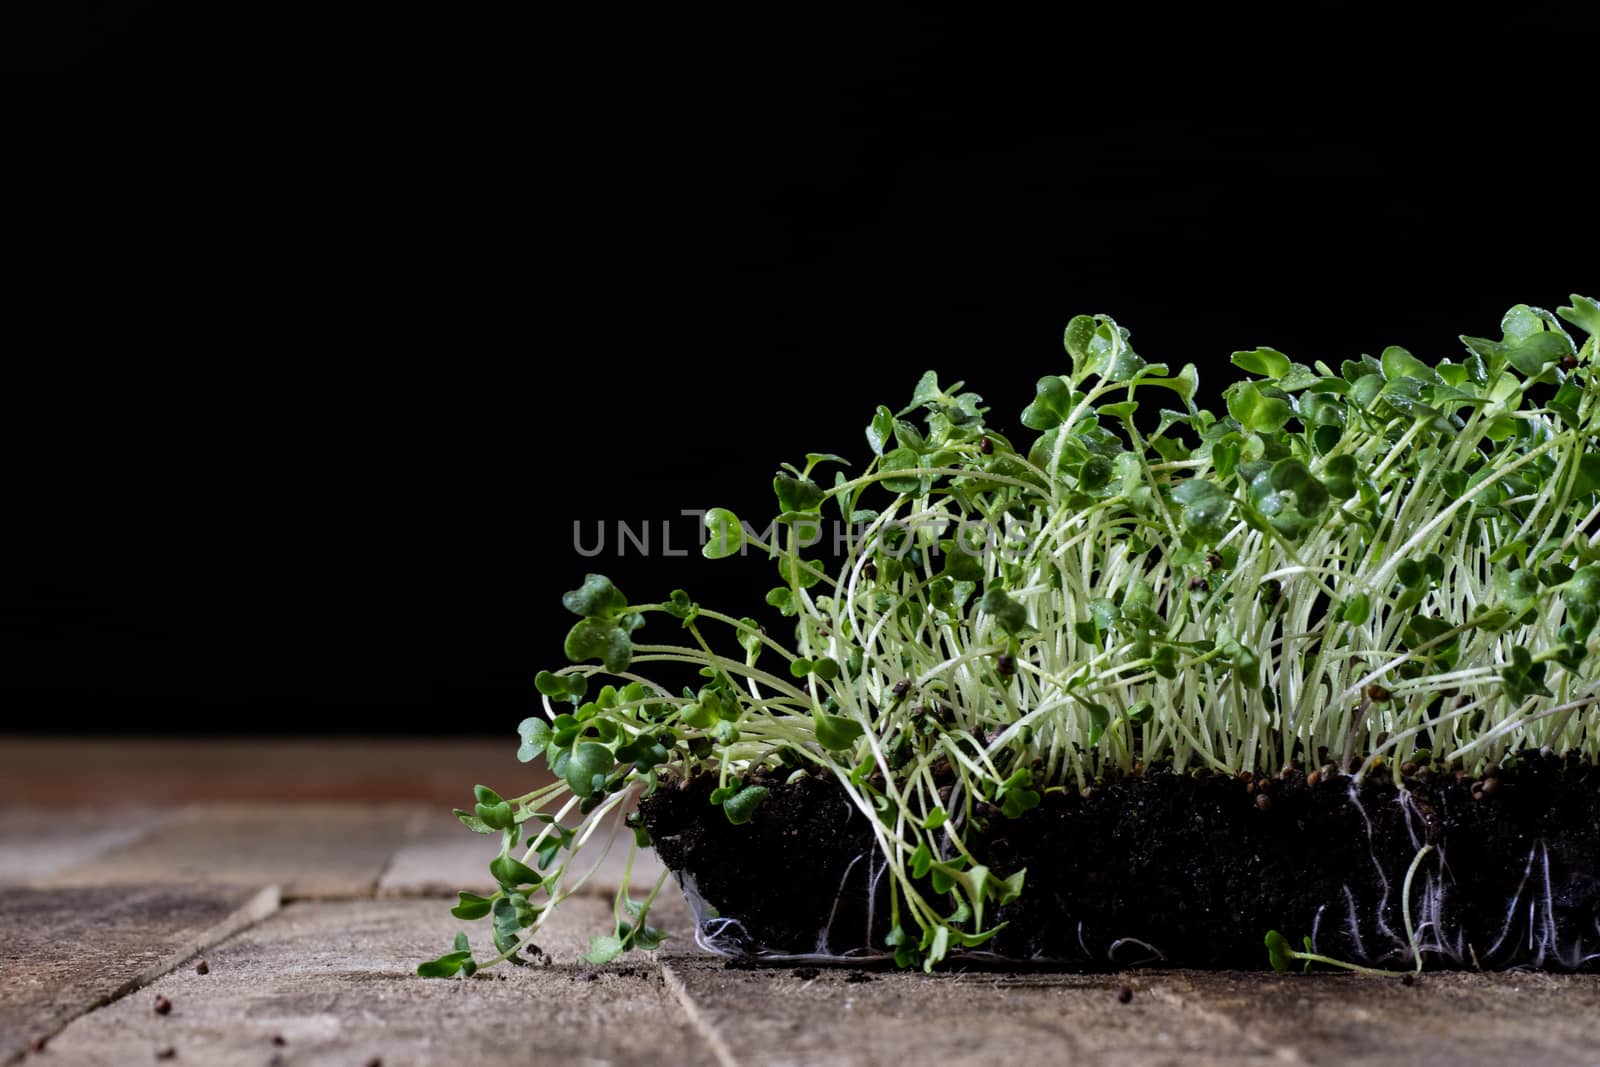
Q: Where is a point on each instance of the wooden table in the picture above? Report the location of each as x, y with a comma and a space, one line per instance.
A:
312, 876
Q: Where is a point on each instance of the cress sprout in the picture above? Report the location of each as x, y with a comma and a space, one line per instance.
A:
1392, 560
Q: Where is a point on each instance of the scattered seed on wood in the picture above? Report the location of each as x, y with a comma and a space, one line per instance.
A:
163, 1005
278, 1039
1407, 979
858, 976
376, 1061
1124, 995
202, 967
166, 1052
806, 974
38, 1044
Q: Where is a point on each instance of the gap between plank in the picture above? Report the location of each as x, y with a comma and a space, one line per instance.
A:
691, 1010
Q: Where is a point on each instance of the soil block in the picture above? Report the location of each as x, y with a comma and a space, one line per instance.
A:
1181, 869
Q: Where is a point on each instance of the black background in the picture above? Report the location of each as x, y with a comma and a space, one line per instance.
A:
322, 331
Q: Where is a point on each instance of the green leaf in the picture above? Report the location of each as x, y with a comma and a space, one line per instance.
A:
588, 762
498, 816
797, 494
445, 966
1339, 476
1109, 352
604, 949
1010, 615
1076, 338
725, 534
471, 906
1398, 363
600, 639
1584, 314
1205, 507
880, 429
511, 872
1099, 719
1186, 383
1516, 588
535, 734
508, 919
1421, 629
1278, 951
561, 686
1356, 610
1265, 362
596, 598
1530, 341
1123, 410
927, 390
679, 606
473, 823
836, 733
1255, 410
901, 459
1051, 405
1581, 594
741, 807
1291, 476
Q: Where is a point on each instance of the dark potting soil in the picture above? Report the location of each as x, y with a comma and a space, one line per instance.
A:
1183, 869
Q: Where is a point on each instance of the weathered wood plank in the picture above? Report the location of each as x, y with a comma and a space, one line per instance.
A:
1443, 1018
167, 771
37, 843
64, 951
772, 1017
307, 850
870, 1018
335, 981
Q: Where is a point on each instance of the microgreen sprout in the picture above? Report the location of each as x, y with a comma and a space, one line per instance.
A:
1389, 561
